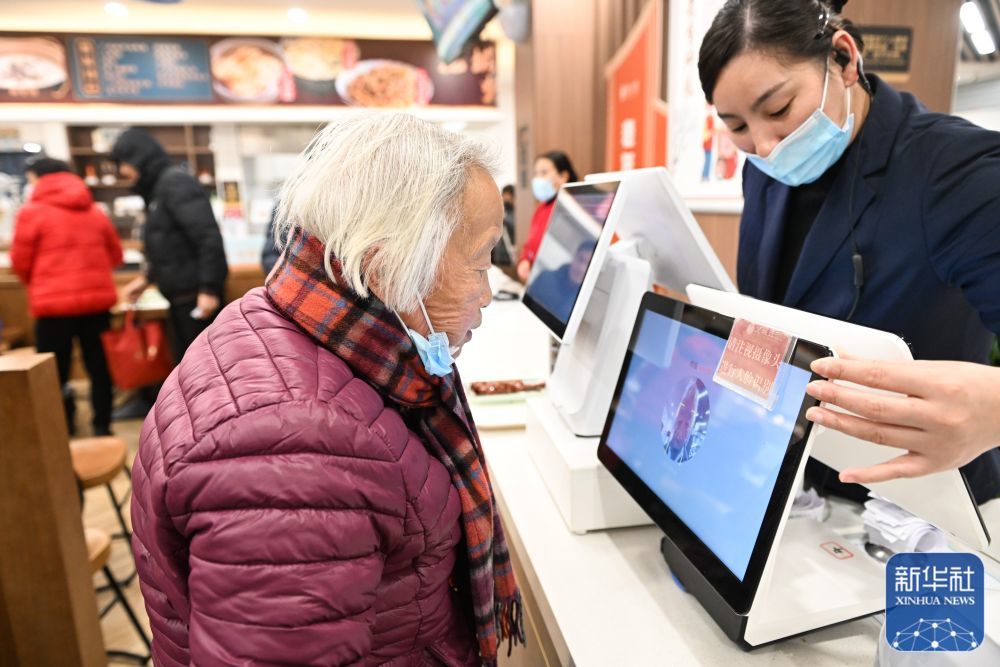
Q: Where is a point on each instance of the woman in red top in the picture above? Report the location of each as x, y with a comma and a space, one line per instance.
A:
64, 250
552, 171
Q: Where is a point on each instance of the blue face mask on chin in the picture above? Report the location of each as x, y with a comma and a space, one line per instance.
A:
815, 146
434, 351
543, 189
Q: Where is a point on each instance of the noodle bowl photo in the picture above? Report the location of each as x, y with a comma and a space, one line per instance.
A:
385, 84
248, 70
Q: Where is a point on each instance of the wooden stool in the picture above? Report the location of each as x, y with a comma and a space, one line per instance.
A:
98, 548
98, 553
96, 462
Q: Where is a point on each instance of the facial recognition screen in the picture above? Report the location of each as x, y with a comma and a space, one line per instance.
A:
567, 249
709, 454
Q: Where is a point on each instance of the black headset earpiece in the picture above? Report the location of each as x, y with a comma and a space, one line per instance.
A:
843, 58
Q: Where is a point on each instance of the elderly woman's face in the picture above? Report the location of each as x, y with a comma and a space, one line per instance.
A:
462, 289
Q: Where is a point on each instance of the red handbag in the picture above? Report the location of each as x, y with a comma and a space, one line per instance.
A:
138, 354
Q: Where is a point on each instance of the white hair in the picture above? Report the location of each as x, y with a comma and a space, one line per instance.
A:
383, 192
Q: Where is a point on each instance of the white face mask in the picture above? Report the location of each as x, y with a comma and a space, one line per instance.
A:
543, 189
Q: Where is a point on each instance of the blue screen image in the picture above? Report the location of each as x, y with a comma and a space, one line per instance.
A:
568, 246
711, 455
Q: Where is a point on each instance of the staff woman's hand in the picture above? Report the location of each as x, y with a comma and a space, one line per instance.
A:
949, 412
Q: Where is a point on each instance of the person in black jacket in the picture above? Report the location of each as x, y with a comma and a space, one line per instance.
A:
182, 243
270, 253
503, 252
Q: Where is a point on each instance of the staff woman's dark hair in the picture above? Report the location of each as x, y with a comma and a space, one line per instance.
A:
793, 29
562, 164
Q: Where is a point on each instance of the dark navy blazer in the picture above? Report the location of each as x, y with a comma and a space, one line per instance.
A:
926, 221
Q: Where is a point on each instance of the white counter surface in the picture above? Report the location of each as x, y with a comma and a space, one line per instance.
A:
607, 598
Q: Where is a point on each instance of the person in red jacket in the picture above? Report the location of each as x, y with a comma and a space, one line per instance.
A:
552, 171
64, 250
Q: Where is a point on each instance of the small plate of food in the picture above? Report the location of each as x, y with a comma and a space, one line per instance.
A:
505, 391
316, 62
248, 69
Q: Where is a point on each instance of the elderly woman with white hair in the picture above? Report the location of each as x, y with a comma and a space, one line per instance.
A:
310, 488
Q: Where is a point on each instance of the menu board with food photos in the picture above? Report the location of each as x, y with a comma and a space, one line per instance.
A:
242, 70
134, 70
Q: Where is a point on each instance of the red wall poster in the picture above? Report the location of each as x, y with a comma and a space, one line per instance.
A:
636, 123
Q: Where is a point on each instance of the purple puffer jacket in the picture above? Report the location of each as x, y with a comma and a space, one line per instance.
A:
284, 515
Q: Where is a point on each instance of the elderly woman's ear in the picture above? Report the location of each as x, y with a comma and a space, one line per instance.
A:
371, 277
412, 318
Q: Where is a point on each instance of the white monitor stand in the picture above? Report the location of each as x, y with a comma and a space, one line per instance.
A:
564, 426
805, 585
672, 239
587, 495
662, 243
585, 373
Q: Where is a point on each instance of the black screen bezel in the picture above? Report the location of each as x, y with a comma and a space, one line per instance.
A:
738, 594
554, 324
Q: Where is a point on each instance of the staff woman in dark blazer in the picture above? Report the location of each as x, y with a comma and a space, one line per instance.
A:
860, 204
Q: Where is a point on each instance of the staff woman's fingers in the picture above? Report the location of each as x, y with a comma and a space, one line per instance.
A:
901, 437
900, 377
875, 407
905, 466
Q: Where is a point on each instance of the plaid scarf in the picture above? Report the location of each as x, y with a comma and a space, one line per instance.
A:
372, 341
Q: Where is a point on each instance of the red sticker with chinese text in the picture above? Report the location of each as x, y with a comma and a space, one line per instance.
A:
752, 359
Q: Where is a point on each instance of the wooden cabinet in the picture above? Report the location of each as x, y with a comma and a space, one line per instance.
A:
188, 146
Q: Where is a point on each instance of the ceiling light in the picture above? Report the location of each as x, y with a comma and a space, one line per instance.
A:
32, 147
972, 18
983, 41
116, 9
298, 15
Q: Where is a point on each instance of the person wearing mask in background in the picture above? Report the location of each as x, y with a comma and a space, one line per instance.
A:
509, 221
64, 251
185, 258
507, 194
859, 203
270, 253
552, 171
503, 253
